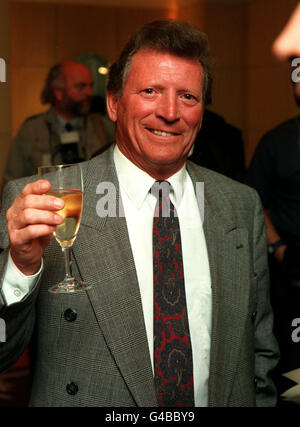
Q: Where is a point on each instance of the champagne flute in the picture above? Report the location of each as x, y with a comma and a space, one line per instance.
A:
66, 184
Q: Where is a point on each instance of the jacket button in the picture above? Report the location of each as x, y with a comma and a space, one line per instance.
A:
70, 315
72, 388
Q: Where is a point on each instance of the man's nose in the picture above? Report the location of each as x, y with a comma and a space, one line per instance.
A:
167, 108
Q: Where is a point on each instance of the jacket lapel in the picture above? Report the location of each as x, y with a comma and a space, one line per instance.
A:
226, 244
115, 296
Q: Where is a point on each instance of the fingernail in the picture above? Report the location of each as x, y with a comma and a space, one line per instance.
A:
43, 186
58, 203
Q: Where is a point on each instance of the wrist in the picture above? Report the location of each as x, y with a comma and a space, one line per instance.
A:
26, 269
274, 246
277, 250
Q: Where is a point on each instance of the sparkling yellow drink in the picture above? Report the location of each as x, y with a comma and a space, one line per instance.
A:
66, 232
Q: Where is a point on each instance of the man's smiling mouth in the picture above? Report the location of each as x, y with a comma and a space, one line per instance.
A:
162, 133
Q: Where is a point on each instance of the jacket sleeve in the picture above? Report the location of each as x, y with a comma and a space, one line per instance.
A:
266, 348
18, 318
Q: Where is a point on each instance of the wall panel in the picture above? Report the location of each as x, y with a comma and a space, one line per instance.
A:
194, 14
33, 34
224, 25
130, 19
26, 85
86, 29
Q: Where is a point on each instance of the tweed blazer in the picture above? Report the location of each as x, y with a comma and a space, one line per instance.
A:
90, 348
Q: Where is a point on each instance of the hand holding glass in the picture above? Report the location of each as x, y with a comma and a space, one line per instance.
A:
66, 184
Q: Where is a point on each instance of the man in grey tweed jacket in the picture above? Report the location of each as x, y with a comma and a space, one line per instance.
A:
93, 348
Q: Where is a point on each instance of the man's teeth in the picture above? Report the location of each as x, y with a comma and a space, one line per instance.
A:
161, 133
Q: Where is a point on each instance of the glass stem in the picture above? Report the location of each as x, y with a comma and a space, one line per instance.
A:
68, 261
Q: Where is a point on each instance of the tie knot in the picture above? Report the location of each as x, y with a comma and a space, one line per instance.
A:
161, 189
164, 206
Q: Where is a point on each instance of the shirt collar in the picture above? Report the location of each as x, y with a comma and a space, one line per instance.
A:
137, 183
61, 123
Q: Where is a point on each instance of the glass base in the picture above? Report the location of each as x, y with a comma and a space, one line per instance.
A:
69, 287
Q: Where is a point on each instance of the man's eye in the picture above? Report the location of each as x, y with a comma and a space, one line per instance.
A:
148, 91
188, 96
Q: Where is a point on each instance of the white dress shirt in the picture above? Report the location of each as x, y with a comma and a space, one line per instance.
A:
139, 205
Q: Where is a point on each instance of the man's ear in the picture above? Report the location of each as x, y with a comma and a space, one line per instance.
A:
112, 106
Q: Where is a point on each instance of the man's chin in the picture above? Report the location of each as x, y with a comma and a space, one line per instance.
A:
84, 110
167, 165
169, 157
81, 110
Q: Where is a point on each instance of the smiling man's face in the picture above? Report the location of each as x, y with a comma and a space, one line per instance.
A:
160, 111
